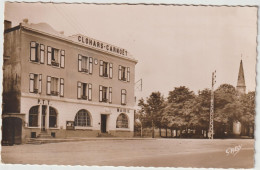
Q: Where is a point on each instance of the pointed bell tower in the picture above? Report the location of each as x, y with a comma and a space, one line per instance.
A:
241, 85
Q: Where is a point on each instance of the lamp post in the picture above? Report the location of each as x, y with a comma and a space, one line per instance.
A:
211, 121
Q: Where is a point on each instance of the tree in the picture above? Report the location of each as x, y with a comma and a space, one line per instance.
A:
179, 111
152, 109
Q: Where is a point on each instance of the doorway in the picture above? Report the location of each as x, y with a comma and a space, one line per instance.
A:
103, 123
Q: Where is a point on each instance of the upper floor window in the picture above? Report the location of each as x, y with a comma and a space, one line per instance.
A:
123, 97
105, 94
55, 57
124, 73
85, 64
37, 52
106, 69
35, 85
84, 91
55, 86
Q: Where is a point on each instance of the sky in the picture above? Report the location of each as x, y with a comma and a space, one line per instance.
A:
174, 45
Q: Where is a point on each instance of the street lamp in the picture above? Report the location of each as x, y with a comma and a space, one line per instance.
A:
211, 122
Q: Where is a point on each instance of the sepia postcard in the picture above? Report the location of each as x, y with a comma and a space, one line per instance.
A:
132, 85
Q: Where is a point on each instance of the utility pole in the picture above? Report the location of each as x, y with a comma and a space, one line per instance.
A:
211, 121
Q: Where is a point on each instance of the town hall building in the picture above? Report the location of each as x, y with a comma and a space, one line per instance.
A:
60, 86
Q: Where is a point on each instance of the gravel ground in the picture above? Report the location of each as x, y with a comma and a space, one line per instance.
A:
148, 153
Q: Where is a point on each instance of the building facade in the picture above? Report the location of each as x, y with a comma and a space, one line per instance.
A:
65, 86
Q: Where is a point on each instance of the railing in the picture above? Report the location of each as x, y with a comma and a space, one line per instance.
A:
105, 75
84, 70
123, 78
54, 93
84, 97
54, 63
35, 90
104, 100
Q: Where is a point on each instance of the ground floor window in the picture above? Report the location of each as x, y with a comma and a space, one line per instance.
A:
33, 116
52, 117
82, 118
122, 121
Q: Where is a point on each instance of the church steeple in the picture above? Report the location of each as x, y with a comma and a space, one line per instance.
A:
241, 85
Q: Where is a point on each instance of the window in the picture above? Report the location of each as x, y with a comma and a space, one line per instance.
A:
55, 57
52, 117
122, 121
53, 86
82, 118
124, 73
84, 91
35, 85
105, 94
106, 69
85, 64
37, 52
123, 97
33, 116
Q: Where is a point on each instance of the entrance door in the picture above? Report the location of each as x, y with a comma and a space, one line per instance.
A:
44, 108
103, 123
12, 131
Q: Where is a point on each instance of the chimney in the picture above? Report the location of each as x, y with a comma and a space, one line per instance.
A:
7, 24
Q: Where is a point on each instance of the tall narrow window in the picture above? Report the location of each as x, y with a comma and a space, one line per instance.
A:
105, 69
124, 73
84, 91
123, 97
85, 64
34, 51
104, 94
35, 83
52, 117
53, 57
53, 86
42, 48
33, 116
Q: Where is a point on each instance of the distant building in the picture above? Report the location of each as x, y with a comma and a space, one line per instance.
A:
60, 86
241, 85
241, 89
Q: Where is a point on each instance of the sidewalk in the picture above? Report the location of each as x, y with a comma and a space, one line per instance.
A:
75, 139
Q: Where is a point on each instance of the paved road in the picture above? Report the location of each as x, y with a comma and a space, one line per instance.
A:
157, 153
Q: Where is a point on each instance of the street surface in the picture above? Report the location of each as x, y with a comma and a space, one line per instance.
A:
149, 153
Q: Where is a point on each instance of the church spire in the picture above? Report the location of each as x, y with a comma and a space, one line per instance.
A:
241, 85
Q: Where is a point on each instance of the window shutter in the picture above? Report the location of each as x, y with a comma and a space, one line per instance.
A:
31, 85
90, 65
120, 72
62, 59
42, 48
128, 74
111, 70
123, 96
80, 64
48, 85
110, 94
33, 51
79, 90
100, 93
89, 92
101, 68
62, 87
40, 84
107, 93
49, 55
